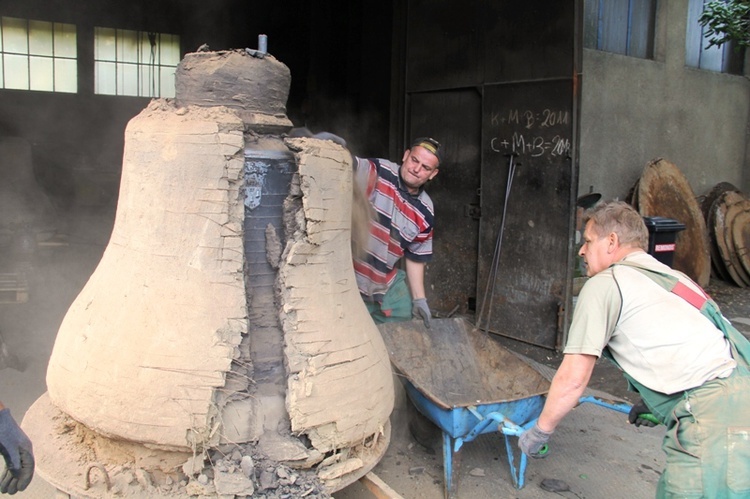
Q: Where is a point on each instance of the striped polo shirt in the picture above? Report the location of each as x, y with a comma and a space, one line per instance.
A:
402, 226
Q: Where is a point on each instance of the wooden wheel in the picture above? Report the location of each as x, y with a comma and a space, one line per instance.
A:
664, 191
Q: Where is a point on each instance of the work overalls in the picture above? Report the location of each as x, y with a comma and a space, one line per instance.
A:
707, 443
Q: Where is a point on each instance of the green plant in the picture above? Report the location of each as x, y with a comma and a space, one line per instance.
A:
727, 21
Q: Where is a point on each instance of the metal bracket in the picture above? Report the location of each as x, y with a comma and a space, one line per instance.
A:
473, 211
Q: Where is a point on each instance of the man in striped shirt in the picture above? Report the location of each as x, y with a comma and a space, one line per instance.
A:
402, 227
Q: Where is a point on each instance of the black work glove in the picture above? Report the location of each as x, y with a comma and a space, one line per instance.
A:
16, 448
420, 310
533, 442
640, 415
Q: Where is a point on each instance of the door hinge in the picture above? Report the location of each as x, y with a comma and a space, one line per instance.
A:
473, 211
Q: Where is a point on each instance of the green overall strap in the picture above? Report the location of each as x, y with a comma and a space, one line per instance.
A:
661, 404
740, 345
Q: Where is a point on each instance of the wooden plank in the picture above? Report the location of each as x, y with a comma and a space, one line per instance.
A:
378, 487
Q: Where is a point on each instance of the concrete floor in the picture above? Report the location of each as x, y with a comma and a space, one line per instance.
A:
595, 452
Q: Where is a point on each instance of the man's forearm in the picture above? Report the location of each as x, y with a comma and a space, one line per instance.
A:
415, 278
567, 387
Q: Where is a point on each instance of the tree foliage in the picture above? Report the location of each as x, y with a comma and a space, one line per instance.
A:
727, 21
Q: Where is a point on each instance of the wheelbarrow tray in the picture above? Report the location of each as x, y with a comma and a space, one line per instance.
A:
460, 422
456, 366
466, 383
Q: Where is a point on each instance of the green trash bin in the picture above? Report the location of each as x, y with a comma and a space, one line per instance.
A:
662, 237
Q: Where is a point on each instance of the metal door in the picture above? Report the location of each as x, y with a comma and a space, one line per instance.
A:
527, 181
453, 118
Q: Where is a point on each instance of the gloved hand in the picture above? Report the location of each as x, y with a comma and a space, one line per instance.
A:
420, 310
533, 442
15, 447
640, 414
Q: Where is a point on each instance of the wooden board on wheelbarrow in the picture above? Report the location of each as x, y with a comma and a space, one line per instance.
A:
456, 365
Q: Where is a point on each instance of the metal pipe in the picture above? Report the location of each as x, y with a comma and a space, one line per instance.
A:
262, 48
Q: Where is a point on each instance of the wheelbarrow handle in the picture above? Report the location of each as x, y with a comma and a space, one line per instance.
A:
619, 407
508, 427
516, 430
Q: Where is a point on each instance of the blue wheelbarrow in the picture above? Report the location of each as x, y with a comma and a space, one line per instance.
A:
468, 385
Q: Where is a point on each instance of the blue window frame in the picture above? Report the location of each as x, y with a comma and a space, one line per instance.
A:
620, 26
722, 59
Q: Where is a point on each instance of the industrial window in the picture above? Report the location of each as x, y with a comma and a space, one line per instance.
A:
620, 26
38, 55
723, 59
135, 63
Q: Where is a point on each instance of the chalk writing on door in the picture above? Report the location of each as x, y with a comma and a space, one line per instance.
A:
532, 133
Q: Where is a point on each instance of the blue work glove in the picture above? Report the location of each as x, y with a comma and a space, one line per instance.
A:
533, 442
420, 310
15, 447
640, 415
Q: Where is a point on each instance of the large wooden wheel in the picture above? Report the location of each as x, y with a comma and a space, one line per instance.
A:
708, 208
664, 191
723, 214
741, 237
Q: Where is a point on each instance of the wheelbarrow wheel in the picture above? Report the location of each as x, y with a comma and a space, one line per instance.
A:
425, 432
